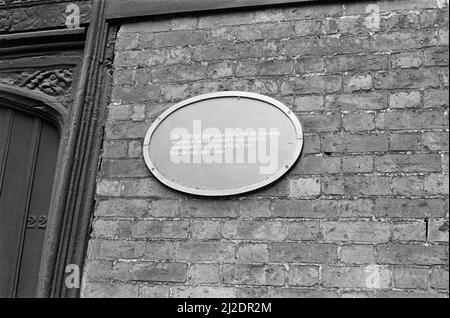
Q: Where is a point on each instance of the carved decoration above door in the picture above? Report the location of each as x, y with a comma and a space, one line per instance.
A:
53, 82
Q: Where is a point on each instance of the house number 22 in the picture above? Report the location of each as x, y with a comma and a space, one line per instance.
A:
37, 222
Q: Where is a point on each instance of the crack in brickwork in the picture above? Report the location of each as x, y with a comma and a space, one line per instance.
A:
364, 213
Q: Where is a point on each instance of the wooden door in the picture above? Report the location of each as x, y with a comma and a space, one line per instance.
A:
28, 154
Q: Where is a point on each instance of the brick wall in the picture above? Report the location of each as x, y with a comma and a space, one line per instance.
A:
364, 213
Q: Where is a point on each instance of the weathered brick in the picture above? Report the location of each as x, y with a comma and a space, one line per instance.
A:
357, 254
135, 94
255, 208
405, 141
253, 253
206, 230
349, 231
203, 273
357, 164
409, 231
306, 208
403, 40
256, 275
125, 77
174, 92
356, 185
223, 51
409, 294
111, 229
164, 208
121, 249
98, 270
359, 122
308, 103
356, 63
306, 276
158, 291
436, 184
179, 38
371, 276
405, 100
311, 84
177, 73
416, 278
403, 254
345, 25
109, 188
301, 293
205, 251
115, 149
304, 230
209, 208
277, 30
110, 290
122, 208
220, 70
439, 278
409, 208
408, 163
436, 98
118, 113
356, 101
219, 19
148, 187
435, 141
407, 78
124, 168
251, 292
126, 130
356, 208
407, 185
160, 229
387, 5
303, 253
305, 187
276, 67
311, 144
360, 82
127, 41
445, 164
410, 120
150, 271
438, 231
435, 56
203, 292
406, 59
317, 165
255, 230
309, 65
138, 113
307, 27
321, 123
355, 143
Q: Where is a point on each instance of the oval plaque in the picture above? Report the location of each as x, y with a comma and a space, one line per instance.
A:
223, 143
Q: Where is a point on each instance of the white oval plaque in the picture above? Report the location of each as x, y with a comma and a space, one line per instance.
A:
223, 143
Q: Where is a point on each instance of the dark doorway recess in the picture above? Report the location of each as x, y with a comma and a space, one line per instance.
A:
28, 155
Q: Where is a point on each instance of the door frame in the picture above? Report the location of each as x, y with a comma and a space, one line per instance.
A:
80, 122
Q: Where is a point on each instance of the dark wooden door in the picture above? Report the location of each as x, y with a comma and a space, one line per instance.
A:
28, 154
